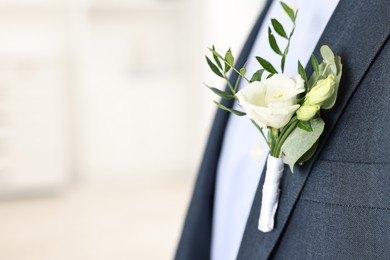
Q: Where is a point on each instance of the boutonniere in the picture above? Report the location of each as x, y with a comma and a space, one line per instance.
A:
287, 108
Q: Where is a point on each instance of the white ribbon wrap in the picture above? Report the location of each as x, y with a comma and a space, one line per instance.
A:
270, 198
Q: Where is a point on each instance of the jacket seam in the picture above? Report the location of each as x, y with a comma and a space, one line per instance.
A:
344, 205
355, 162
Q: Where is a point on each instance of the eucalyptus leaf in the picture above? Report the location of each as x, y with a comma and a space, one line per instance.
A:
300, 141
307, 156
324, 71
233, 111
266, 65
257, 76
329, 103
278, 27
230, 60
327, 54
214, 68
290, 12
333, 68
273, 43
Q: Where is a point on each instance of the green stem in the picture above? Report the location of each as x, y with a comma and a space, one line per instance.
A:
326, 67
262, 133
229, 84
287, 48
274, 139
237, 82
231, 65
283, 136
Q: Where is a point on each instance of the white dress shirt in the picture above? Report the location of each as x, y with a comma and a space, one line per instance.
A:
244, 151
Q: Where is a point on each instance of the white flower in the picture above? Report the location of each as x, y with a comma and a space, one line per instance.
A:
317, 96
322, 91
307, 112
272, 102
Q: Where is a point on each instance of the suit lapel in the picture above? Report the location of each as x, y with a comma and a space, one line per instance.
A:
356, 32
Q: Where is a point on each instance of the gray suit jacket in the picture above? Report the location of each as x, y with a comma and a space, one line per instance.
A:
337, 205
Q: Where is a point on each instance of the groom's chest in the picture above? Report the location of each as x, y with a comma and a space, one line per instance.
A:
343, 210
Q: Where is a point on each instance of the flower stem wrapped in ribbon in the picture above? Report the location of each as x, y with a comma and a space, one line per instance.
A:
289, 107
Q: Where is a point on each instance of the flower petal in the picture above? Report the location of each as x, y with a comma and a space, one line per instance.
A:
272, 102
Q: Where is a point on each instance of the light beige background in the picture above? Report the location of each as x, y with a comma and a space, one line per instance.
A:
103, 121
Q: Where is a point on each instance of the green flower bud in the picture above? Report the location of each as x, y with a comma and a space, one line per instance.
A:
307, 112
323, 90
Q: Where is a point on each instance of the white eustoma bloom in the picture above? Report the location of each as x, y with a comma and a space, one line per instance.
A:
272, 102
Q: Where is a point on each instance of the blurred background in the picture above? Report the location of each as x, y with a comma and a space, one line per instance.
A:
103, 121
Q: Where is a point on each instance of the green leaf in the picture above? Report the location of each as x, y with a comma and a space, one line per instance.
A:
221, 93
233, 111
270, 75
327, 54
307, 156
312, 80
224, 60
305, 125
273, 43
302, 72
214, 68
314, 63
229, 57
300, 100
300, 141
290, 12
333, 68
279, 28
214, 52
266, 65
242, 71
216, 59
230, 60
329, 103
257, 76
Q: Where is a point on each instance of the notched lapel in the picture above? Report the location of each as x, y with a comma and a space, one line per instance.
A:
356, 32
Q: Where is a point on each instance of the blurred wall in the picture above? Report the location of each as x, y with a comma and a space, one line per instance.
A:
93, 88
227, 23
34, 95
135, 84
